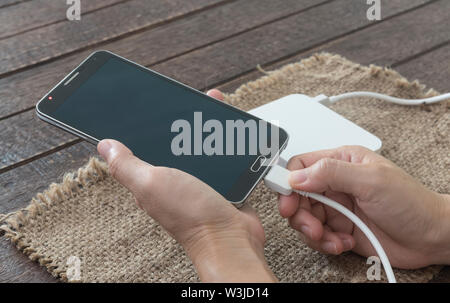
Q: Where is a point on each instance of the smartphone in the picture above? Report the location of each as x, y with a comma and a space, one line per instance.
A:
164, 123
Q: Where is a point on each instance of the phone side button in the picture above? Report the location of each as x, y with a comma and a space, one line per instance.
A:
256, 166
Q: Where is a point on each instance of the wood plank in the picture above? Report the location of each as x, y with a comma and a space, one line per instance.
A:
21, 91
40, 13
6, 3
18, 186
385, 44
432, 69
202, 68
212, 64
16, 267
21, 135
427, 68
55, 40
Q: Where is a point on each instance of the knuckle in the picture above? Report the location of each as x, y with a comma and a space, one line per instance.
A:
380, 172
159, 177
296, 221
149, 178
326, 166
325, 172
358, 149
354, 153
379, 178
160, 173
310, 243
295, 163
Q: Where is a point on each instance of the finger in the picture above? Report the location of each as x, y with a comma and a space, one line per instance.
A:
287, 205
336, 220
305, 203
348, 242
331, 243
304, 222
127, 169
331, 174
308, 159
318, 211
215, 93
352, 154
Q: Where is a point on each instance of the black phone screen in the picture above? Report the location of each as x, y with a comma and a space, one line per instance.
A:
139, 108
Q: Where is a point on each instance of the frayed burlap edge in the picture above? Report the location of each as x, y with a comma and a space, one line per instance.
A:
91, 173
95, 170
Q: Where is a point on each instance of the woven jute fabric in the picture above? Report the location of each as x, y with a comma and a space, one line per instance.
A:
91, 217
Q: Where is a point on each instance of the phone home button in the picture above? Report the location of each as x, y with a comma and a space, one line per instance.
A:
256, 166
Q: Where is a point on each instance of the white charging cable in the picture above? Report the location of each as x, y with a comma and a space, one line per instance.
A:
277, 179
413, 102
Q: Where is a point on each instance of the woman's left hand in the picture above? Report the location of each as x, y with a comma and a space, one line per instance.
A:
224, 243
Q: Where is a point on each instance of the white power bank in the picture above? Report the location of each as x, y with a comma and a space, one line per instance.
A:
312, 126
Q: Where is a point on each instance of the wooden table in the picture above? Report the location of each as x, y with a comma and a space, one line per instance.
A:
203, 43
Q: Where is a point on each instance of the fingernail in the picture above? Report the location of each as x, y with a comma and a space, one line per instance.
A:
347, 244
104, 149
298, 177
306, 231
329, 247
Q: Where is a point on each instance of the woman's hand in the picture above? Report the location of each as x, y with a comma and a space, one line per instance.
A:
224, 243
411, 222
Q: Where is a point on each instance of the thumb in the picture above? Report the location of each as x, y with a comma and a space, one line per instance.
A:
126, 168
331, 174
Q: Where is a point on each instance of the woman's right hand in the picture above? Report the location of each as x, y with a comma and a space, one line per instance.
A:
411, 222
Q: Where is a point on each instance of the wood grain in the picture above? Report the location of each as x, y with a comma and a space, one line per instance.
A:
18, 186
432, 68
361, 47
21, 91
25, 132
6, 3
16, 267
213, 64
401, 38
201, 68
40, 13
58, 39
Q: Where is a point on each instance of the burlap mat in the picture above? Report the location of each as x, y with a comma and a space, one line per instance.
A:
91, 217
